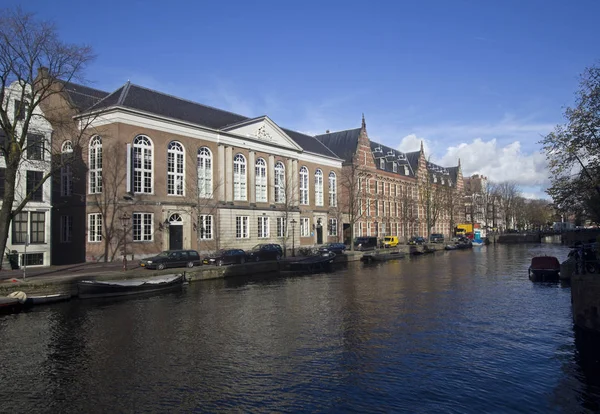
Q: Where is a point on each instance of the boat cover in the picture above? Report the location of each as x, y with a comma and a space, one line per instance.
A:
545, 262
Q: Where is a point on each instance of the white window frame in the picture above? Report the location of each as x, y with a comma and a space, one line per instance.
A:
95, 165
142, 227
260, 180
304, 200
304, 227
263, 227
66, 173
239, 178
205, 221
143, 165
242, 227
332, 227
279, 182
281, 227
332, 189
382, 163
395, 167
406, 170
175, 169
204, 171
66, 229
318, 187
94, 227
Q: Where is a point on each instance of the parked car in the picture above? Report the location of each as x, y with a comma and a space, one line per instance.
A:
266, 251
415, 240
226, 257
172, 258
365, 243
436, 238
337, 248
390, 241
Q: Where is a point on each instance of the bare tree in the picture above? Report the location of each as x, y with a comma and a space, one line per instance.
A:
354, 198
408, 211
286, 193
26, 45
431, 197
453, 205
507, 192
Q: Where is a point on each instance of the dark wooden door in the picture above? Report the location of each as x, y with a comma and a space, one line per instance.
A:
319, 234
175, 237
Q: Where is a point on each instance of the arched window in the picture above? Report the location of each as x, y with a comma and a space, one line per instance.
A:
279, 183
95, 165
239, 177
66, 174
332, 189
142, 165
175, 163
319, 187
205, 187
261, 180
304, 185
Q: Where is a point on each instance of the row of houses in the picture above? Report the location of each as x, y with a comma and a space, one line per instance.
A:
137, 171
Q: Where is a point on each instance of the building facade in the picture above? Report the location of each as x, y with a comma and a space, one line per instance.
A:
158, 172
30, 230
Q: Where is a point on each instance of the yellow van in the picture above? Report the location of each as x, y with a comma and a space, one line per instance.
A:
390, 241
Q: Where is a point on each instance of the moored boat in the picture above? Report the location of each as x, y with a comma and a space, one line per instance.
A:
382, 257
544, 269
46, 299
9, 305
88, 289
308, 264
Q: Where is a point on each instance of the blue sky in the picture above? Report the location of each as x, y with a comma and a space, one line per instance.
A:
482, 81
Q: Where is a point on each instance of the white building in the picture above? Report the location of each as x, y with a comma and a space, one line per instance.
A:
29, 233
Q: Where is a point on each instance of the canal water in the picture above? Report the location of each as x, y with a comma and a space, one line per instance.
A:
453, 332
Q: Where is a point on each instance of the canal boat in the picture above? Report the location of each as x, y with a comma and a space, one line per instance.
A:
308, 264
88, 289
9, 305
382, 257
544, 269
46, 299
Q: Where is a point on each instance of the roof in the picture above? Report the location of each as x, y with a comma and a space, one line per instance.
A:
390, 157
413, 159
309, 143
341, 143
83, 97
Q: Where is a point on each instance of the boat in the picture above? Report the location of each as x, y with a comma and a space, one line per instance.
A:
46, 299
309, 264
451, 247
88, 289
10, 305
382, 257
544, 269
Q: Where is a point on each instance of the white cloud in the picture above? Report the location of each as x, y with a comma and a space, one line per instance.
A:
412, 143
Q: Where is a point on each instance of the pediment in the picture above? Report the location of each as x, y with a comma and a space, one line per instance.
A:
265, 130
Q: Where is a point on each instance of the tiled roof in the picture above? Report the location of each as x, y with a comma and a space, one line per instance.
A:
341, 143
413, 159
310, 144
391, 156
83, 97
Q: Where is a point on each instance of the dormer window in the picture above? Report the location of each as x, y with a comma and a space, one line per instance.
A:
442, 179
395, 167
382, 163
450, 183
406, 170
434, 178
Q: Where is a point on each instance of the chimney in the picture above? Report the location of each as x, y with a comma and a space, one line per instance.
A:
327, 131
42, 72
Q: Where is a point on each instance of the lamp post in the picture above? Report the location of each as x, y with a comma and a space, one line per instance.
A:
125, 222
293, 223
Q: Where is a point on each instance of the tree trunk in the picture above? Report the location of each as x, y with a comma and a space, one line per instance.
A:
6, 212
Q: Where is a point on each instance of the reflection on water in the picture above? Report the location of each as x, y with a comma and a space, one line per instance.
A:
460, 331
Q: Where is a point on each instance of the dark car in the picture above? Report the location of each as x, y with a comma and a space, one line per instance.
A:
337, 248
415, 240
226, 257
172, 258
365, 243
436, 238
266, 251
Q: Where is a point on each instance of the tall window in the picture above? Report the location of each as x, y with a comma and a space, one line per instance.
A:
319, 187
95, 165
263, 227
279, 183
281, 227
35, 147
34, 178
205, 186
239, 177
66, 174
142, 226
19, 228
142, 164
332, 227
205, 224
304, 230
332, 189
37, 227
304, 185
261, 180
241, 227
66, 229
94, 227
175, 176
